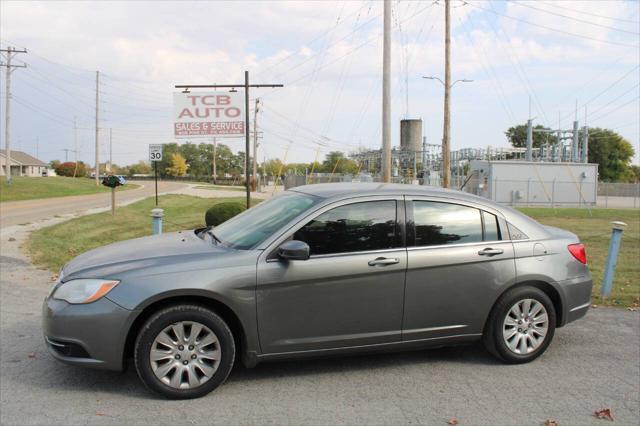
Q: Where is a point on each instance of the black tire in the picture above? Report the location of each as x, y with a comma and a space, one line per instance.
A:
164, 318
493, 334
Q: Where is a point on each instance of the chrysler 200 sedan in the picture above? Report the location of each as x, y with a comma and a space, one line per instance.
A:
319, 270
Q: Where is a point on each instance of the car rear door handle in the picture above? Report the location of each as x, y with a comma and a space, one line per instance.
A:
490, 252
384, 261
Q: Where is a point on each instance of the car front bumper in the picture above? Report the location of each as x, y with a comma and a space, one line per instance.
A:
91, 335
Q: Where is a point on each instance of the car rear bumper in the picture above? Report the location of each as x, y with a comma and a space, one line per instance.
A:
91, 335
577, 297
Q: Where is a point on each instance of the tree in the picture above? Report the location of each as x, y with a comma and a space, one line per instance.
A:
635, 174
140, 168
517, 136
54, 164
69, 168
178, 165
273, 167
335, 161
612, 152
168, 149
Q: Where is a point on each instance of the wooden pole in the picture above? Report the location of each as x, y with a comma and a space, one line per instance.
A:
113, 201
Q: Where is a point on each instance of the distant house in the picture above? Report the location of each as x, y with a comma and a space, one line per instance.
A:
22, 164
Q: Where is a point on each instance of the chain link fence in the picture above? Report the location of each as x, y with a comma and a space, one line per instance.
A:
618, 195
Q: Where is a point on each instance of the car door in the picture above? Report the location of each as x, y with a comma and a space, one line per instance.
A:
457, 265
349, 292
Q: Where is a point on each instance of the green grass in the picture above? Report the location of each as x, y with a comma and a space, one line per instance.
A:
221, 187
30, 188
594, 231
54, 246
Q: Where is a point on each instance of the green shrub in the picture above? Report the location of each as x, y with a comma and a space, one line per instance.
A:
222, 212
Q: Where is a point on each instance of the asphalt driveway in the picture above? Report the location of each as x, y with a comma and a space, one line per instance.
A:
592, 364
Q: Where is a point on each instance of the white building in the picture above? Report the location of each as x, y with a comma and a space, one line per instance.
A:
526, 183
22, 164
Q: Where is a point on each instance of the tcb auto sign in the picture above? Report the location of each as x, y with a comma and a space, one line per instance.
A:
208, 114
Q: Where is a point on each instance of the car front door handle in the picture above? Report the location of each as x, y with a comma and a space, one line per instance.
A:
490, 252
384, 261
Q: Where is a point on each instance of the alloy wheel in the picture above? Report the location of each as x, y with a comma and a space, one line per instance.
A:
185, 355
525, 326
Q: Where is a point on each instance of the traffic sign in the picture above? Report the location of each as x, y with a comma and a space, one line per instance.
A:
155, 152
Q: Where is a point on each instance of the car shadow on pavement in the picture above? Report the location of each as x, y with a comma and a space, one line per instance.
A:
62, 377
463, 354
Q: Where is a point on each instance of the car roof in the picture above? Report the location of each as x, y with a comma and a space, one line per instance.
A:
346, 189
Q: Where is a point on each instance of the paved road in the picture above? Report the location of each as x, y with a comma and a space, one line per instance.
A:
31, 211
592, 364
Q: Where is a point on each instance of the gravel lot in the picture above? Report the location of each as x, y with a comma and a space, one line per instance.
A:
592, 364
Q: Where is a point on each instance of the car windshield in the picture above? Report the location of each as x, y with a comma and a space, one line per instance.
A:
256, 224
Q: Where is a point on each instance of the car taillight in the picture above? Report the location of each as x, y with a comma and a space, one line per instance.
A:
578, 251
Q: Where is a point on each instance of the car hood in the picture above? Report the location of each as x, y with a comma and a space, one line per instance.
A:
114, 259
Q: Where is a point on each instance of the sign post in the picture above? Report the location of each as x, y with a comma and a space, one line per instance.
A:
216, 114
155, 156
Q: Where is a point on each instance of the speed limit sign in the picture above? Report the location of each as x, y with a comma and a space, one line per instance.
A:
155, 152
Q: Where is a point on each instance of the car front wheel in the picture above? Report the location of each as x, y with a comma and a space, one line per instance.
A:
521, 325
184, 351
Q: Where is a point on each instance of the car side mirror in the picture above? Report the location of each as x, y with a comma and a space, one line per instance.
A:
294, 250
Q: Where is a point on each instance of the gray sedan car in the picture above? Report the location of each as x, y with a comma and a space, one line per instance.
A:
319, 270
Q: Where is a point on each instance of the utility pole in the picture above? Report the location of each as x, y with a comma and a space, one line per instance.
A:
585, 139
66, 154
246, 86
75, 145
97, 129
215, 172
11, 52
446, 141
255, 143
386, 94
529, 155
110, 151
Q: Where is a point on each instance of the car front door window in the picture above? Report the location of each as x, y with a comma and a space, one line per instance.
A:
356, 227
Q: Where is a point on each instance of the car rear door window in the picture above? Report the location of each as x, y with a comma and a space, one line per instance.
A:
352, 228
443, 223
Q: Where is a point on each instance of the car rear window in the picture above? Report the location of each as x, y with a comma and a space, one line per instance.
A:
442, 223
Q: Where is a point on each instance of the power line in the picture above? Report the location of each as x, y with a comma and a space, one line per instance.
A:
556, 5
584, 21
520, 70
626, 92
490, 72
555, 29
297, 52
609, 87
615, 109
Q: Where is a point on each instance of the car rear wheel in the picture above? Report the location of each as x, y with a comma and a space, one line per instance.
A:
521, 325
184, 351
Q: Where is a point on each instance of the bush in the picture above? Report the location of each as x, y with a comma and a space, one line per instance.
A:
222, 212
68, 168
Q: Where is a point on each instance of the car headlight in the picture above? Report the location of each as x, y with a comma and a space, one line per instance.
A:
83, 290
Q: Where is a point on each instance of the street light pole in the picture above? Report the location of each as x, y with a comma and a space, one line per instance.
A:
386, 94
446, 137
446, 145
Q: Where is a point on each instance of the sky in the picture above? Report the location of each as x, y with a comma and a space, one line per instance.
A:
540, 56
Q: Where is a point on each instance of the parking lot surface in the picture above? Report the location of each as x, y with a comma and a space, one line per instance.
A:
592, 364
